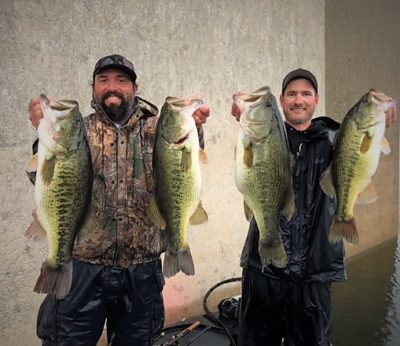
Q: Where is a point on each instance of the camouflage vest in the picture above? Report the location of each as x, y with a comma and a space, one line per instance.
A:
118, 231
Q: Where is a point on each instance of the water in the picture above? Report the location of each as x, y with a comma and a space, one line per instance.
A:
366, 308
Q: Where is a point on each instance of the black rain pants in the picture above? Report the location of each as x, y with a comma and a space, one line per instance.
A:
276, 309
129, 299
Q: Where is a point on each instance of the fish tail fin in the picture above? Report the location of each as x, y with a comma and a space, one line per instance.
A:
180, 261
272, 252
56, 281
185, 261
170, 266
347, 230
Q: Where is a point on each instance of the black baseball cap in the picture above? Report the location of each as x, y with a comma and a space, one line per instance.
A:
115, 61
297, 74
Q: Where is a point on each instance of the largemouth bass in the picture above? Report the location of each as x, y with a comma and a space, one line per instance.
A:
357, 149
62, 190
263, 170
176, 201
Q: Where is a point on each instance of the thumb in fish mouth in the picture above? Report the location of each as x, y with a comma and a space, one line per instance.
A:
391, 117
237, 104
391, 114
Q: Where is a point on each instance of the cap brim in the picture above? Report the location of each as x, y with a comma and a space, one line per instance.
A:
299, 74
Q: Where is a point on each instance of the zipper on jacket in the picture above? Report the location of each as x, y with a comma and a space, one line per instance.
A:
117, 127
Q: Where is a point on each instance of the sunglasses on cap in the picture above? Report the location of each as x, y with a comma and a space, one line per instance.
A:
115, 61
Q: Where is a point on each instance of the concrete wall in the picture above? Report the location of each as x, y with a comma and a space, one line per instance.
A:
362, 51
180, 48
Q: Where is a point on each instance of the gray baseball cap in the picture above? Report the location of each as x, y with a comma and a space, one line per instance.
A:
297, 74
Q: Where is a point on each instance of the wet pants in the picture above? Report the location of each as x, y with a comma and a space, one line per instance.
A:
129, 299
272, 309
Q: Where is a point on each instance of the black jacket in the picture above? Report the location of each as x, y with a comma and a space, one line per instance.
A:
311, 256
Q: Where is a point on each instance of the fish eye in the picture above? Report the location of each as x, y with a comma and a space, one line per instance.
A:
268, 104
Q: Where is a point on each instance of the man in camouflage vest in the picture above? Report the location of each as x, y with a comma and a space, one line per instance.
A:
116, 267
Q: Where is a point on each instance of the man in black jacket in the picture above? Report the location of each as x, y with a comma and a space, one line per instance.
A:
294, 303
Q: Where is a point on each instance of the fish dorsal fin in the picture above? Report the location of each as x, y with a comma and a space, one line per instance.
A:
186, 161
154, 213
35, 230
47, 171
32, 164
247, 211
368, 195
326, 183
199, 216
385, 147
203, 156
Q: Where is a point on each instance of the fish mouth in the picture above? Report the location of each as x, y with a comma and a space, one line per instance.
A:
62, 107
379, 97
182, 140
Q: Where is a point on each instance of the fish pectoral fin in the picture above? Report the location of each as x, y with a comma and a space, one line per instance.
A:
47, 171
326, 183
203, 156
247, 211
32, 164
365, 144
289, 207
154, 213
35, 230
247, 152
385, 147
199, 216
248, 156
186, 161
368, 195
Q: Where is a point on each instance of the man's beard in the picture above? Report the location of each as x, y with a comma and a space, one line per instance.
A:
117, 113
